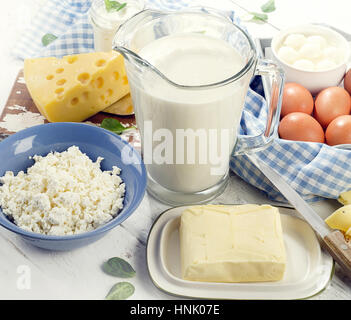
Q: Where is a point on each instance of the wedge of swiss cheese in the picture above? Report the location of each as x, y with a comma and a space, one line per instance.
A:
121, 107
76, 87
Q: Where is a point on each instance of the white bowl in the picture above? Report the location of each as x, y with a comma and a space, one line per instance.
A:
314, 81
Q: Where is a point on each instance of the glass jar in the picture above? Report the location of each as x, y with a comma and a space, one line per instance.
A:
105, 24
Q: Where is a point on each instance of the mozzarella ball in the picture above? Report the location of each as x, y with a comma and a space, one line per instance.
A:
287, 54
295, 40
310, 51
304, 64
325, 64
333, 53
321, 41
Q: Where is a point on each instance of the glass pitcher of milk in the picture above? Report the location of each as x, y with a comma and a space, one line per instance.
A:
189, 73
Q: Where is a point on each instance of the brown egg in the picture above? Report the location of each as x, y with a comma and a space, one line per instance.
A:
296, 98
331, 103
347, 81
300, 126
339, 131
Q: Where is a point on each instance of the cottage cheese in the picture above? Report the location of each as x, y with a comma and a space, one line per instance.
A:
62, 194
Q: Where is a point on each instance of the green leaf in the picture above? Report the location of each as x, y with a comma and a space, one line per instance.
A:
258, 17
119, 268
121, 6
48, 38
269, 6
113, 6
114, 125
120, 291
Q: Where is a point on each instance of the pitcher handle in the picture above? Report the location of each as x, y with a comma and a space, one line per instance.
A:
257, 143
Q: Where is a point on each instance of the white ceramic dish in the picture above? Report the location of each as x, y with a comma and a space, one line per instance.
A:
309, 269
314, 81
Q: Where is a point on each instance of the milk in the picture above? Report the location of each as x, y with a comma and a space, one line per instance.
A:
191, 59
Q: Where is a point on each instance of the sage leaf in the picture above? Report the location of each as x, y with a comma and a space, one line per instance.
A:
118, 267
114, 125
121, 6
47, 39
269, 6
113, 6
120, 291
258, 17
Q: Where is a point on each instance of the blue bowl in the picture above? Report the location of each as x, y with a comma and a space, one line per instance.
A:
40, 140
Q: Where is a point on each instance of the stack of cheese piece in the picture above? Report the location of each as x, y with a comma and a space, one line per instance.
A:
76, 87
340, 219
241, 243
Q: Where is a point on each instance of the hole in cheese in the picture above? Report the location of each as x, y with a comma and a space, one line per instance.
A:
109, 92
61, 82
116, 75
83, 77
59, 90
99, 82
100, 63
86, 95
50, 77
102, 97
74, 101
72, 59
59, 70
125, 80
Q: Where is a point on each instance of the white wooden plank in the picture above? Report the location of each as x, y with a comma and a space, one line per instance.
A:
256, 30
75, 274
290, 13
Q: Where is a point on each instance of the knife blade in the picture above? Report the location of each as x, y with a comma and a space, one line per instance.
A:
333, 240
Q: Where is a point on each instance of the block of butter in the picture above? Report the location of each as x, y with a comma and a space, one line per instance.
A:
76, 87
242, 243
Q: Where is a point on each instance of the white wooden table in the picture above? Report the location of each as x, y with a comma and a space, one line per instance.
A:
77, 274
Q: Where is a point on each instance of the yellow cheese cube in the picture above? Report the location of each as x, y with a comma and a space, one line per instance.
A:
76, 87
340, 219
232, 244
345, 198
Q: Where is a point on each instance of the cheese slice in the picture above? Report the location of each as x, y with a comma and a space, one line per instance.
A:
76, 87
345, 198
340, 219
122, 107
232, 244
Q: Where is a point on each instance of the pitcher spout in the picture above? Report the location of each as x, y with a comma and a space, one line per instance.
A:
130, 30
130, 55
130, 38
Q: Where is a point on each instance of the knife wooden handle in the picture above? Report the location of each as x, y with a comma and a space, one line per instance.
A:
339, 249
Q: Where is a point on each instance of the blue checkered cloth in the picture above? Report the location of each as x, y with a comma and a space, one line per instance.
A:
314, 170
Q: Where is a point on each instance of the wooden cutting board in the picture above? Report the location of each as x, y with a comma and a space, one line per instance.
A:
20, 112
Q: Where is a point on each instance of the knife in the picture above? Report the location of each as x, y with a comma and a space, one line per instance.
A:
333, 240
